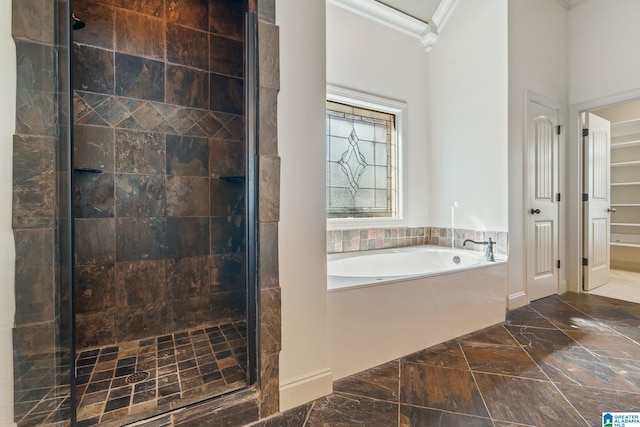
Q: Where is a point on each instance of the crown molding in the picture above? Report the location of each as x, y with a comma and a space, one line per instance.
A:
391, 18
443, 13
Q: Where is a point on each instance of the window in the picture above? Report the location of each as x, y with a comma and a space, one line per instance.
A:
363, 157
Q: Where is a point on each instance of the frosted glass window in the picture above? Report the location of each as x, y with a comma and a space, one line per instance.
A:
361, 162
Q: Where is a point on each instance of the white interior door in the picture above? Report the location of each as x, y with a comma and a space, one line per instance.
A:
596, 230
542, 194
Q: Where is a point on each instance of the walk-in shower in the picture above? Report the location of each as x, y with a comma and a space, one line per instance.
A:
155, 225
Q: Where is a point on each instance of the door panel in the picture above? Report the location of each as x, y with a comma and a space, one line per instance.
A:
597, 151
542, 209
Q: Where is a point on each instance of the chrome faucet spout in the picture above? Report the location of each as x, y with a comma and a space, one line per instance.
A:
488, 243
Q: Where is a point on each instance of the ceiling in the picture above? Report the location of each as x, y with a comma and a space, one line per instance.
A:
420, 9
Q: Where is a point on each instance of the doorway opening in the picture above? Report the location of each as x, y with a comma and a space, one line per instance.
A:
611, 211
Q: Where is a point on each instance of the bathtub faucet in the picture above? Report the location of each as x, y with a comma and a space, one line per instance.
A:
488, 243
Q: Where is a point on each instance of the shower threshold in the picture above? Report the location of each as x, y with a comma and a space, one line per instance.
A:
129, 381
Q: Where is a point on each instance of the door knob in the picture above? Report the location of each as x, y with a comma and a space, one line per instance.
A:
611, 210
534, 211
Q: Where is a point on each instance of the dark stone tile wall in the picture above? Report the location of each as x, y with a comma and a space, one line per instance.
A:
159, 158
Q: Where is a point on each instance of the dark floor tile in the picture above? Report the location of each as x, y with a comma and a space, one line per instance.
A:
411, 416
591, 403
447, 354
607, 345
340, 410
510, 399
567, 317
502, 360
493, 335
571, 364
627, 369
527, 316
440, 388
381, 382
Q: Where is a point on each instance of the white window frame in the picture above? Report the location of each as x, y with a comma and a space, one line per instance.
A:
385, 105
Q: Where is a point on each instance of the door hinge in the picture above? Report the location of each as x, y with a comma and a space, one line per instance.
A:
585, 197
558, 263
585, 132
585, 261
558, 129
557, 197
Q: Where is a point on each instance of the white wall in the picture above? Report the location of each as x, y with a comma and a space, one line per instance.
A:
368, 57
538, 64
604, 68
304, 372
467, 77
603, 47
7, 251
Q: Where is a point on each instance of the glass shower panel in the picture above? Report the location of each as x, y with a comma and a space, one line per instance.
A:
159, 206
41, 216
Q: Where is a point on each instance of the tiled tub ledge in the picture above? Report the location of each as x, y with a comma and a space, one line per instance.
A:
353, 240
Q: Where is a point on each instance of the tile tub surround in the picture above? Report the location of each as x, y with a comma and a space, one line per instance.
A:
39, 155
563, 359
339, 241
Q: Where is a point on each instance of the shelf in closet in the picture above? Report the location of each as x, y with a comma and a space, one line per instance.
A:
621, 164
625, 224
626, 245
620, 184
625, 205
615, 145
625, 239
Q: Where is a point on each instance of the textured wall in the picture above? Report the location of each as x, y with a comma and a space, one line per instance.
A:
158, 109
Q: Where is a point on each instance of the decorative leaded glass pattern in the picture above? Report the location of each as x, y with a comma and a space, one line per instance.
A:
361, 162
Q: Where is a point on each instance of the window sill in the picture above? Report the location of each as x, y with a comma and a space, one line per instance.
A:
356, 223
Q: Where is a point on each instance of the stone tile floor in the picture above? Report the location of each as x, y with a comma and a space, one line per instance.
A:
138, 378
133, 380
561, 361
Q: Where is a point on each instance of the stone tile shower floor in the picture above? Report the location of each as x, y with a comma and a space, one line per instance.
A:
137, 378
132, 380
560, 361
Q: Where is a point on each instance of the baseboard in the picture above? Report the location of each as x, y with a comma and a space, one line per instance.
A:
519, 299
304, 389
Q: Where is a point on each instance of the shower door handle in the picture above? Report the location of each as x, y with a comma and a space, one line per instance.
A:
534, 211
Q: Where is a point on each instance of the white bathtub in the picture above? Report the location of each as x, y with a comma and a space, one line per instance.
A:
375, 267
377, 315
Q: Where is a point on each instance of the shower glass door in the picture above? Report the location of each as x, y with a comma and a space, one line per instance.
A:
159, 205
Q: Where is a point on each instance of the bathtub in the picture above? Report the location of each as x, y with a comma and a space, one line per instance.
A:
385, 304
380, 266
